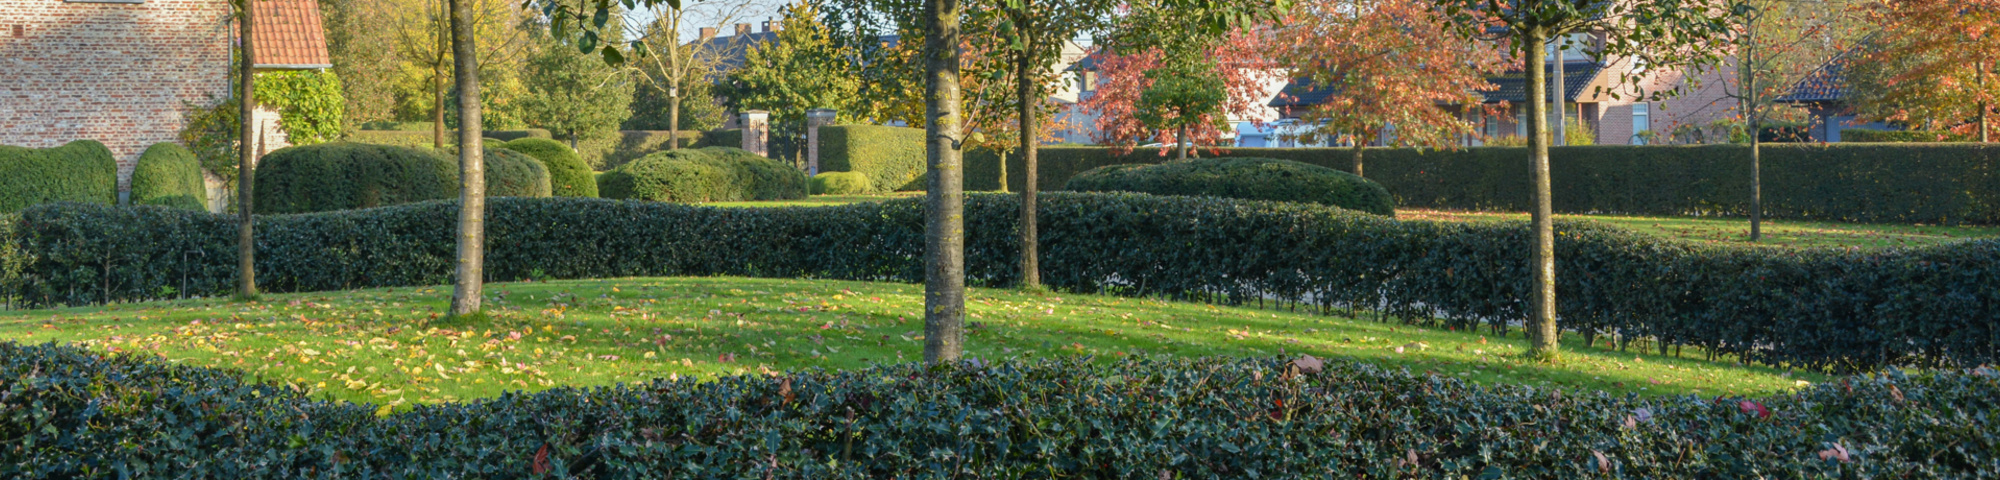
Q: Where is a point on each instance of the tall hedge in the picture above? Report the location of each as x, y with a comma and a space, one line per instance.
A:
568, 175
893, 157
421, 137
80, 171
1896, 183
512, 174
1807, 308
1895, 136
341, 176
169, 175
703, 175
635, 144
1241, 178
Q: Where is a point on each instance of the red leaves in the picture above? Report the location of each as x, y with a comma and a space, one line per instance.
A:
541, 463
1750, 407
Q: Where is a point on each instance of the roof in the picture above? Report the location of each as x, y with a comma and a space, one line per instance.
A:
288, 35
1827, 84
734, 47
1513, 86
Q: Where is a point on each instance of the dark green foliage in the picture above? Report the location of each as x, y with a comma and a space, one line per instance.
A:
568, 175
1895, 183
732, 137
513, 174
842, 183
630, 145
1918, 136
1241, 178
422, 139
75, 411
893, 157
341, 176
80, 171
1806, 308
169, 175
703, 175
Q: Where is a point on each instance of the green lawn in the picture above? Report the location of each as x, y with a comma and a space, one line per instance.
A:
388, 345
1736, 231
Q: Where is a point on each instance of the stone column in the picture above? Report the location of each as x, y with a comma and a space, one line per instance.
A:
757, 132
815, 118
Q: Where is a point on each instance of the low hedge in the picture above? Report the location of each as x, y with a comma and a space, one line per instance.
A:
1893, 183
77, 413
1241, 178
422, 138
511, 174
80, 171
842, 183
1806, 308
892, 157
635, 144
169, 175
1894, 136
703, 175
342, 176
568, 175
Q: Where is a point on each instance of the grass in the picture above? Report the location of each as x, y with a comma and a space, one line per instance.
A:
1736, 231
394, 346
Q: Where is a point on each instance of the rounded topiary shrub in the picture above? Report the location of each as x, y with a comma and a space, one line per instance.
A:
340, 176
169, 175
568, 175
842, 183
513, 174
704, 175
1244, 178
80, 171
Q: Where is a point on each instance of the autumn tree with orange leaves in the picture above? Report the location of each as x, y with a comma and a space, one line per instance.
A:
1238, 60
1930, 65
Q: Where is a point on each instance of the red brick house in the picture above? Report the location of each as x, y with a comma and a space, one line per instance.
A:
122, 72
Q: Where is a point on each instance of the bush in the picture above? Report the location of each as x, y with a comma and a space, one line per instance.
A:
80, 171
568, 175
76, 412
710, 174
421, 139
1895, 136
513, 174
342, 176
633, 144
168, 175
1242, 178
842, 183
1936, 184
1801, 308
891, 157
731, 137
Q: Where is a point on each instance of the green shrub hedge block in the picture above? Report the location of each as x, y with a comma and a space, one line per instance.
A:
1918, 136
422, 138
1241, 178
732, 137
1141, 419
80, 171
633, 144
513, 174
1897, 183
341, 176
709, 174
568, 175
1802, 308
893, 157
169, 175
842, 183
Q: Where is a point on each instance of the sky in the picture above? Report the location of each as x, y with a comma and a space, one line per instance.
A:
721, 14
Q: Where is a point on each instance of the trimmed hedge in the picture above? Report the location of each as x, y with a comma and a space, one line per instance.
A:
1892, 183
511, 174
703, 175
635, 144
421, 138
842, 183
169, 175
1919, 136
343, 176
568, 175
1241, 178
79, 171
892, 157
1806, 308
730, 137
76, 413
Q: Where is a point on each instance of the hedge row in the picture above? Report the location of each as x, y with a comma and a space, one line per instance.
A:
568, 175
842, 183
77, 414
80, 171
630, 145
713, 174
169, 175
892, 157
1917, 136
1899, 183
423, 139
1812, 308
1241, 178
342, 176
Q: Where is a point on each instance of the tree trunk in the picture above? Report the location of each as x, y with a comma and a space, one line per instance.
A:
944, 212
673, 90
1985, 131
1560, 93
1541, 328
1003, 170
1180, 140
466, 296
1756, 189
1024, 87
1357, 154
246, 171
1751, 107
437, 80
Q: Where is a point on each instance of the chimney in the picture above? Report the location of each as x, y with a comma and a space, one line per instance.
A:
768, 24
742, 29
707, 33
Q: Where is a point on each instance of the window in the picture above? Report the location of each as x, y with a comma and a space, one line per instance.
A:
1642, 122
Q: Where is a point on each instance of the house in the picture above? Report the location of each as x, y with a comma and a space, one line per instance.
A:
1823, 95
1082, 78
126, 72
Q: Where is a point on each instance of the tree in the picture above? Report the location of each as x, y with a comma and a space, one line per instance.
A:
683, 73
1665, 33
1929, 65
575, 94
422, 35
1236, 59
1181, 98
801, 70
358, 50
1384, 63
466, 295
246, 175
1778, 43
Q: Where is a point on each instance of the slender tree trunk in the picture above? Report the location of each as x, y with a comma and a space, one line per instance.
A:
466, 296
437, 79
246, 155
1560, 95
1003, 170
673, 91
1542, 328
1181, 141
1024, 87
1985, 131
944, 212
1357, 154
1748, 70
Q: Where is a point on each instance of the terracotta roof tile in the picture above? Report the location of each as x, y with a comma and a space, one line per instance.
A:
288, 34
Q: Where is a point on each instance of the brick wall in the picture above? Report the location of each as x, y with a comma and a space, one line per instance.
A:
118, 73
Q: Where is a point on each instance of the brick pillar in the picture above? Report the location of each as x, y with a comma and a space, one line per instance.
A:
757, 132
815, 118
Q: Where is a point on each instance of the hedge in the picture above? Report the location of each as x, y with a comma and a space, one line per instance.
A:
511, 174
730, 137
1806, 308
169, 175
1859, 135
632, 145
76, 413
80, 171
703, 175
1241, 178
568, 175
893, 157
1892, 183
422, 138
341, 176
842, 183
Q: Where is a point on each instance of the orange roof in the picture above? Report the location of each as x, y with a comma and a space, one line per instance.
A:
288, 35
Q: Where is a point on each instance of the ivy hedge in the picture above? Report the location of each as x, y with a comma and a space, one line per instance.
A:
891, 157
1243, 178
1895, 183
703, 175
79, 171
169, 175
76, 413
1809, 308
568, 175
341, 176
